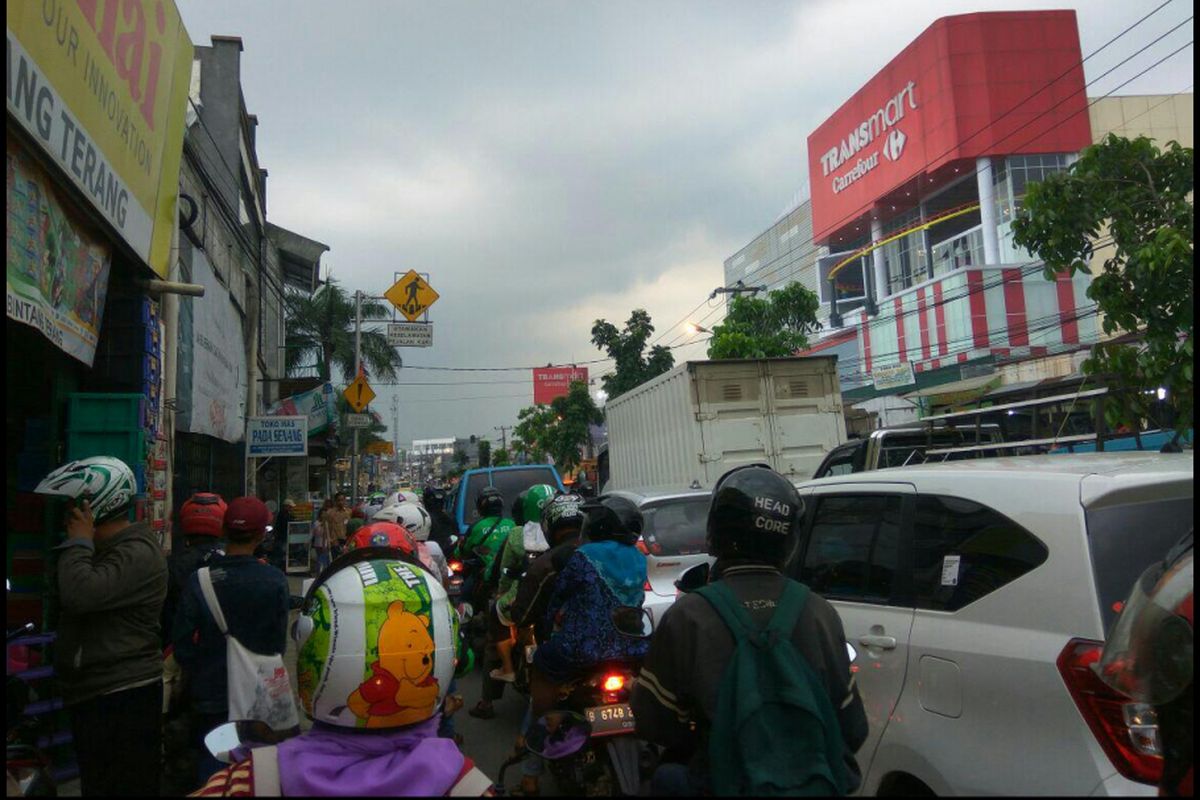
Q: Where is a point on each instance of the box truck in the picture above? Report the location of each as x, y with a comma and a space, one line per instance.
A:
692, 424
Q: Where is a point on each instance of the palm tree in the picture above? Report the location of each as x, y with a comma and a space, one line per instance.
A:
321, 327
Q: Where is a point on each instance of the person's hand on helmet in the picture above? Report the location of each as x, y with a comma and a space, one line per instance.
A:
80, 523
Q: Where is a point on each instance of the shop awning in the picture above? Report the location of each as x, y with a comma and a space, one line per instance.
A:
956, 392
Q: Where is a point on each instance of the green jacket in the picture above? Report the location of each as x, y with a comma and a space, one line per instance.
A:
490, 533
110, 597
514, 560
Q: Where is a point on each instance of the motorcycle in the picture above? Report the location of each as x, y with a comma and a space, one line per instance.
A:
27, 768
588, 739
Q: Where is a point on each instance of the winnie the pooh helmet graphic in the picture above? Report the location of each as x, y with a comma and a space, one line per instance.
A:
376, 644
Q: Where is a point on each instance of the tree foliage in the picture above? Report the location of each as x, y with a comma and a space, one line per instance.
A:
501, 458
627, 348
773, 327
485, 453
320, 331
559, 429
1143, 196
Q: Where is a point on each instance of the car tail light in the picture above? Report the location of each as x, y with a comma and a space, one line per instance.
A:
614, 683
1126, 730
641, 546
646, 587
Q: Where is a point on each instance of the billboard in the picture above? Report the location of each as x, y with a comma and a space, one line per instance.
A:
276, 436
101, 86
993, 83
552, 382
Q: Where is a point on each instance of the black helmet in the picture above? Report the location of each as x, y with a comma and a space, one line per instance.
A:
755, 514
611, 517
490, 502
563, 512
433, 497
518, 509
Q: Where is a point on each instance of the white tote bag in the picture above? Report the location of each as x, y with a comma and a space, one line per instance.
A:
259, 688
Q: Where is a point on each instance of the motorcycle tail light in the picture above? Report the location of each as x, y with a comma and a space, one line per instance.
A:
454, 566
614, 683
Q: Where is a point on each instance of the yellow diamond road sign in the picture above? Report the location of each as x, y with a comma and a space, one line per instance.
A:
412, 294
359, 394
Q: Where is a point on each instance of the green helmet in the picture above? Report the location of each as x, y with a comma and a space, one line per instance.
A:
536, 498
107, 483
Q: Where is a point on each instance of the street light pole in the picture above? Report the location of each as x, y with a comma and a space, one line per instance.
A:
357, 372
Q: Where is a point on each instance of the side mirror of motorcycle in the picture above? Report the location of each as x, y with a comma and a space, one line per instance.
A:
693, 579
634, 622
558, 735
295, 601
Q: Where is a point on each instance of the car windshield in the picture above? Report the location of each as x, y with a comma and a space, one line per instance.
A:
510, 482
1127, 538
675, 527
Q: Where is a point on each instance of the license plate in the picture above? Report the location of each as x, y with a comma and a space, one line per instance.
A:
609, 720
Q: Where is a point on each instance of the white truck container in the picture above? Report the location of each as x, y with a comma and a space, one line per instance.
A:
703, 418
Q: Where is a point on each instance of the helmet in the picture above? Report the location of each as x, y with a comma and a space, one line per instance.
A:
358, 513
412, 516
1148, 655
536, 497
376, 643
384, 534
612, 517
518, 509
490, 502
353, 524
405, 496
755, 514
203, 514
563, 511
433, 497
107, 483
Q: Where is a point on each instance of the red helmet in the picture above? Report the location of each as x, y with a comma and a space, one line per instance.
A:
203, 514
384, 534
357, 513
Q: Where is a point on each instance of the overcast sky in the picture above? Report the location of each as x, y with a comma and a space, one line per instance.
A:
548, 163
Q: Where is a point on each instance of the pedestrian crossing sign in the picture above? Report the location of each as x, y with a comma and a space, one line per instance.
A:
412, 295
359, 393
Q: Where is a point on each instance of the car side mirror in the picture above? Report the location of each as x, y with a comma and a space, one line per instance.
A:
693, 579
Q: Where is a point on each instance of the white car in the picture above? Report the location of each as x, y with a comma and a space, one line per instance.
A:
672, 540
976, 595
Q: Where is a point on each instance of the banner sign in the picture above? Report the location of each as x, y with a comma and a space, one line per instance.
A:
212, 360
56, 272
381, 449
317, 405
894, 376
358, 420
552, 382
276, 436
102, 86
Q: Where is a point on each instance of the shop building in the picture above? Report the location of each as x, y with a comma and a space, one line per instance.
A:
915, 181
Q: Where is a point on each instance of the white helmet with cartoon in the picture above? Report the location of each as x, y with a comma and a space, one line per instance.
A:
375, 643
107, 483
412, 516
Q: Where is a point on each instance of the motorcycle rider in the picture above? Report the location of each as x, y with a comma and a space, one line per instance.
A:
1148, 657
202, 519
434, 500
416, 521
372, 737
675, 698
522, 546
562, 520
477, 552
605, 573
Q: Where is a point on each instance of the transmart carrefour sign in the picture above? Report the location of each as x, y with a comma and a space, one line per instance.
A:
862, 136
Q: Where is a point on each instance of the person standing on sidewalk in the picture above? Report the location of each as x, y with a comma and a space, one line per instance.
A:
335, 518
112, 582
254, 599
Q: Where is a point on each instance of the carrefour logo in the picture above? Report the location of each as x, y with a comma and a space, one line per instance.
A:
894, 146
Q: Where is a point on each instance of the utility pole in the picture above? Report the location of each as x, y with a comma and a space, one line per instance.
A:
396, 428
504, 429
357, 371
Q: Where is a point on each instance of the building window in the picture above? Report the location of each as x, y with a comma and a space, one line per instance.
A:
1024, 170
904, 259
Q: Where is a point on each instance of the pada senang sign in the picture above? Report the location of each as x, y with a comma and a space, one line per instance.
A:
276, 436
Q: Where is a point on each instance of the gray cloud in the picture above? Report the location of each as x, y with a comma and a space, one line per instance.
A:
548, 163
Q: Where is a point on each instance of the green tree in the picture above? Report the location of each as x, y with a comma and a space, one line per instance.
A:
531, 435
320, 331
485, 453
501, 458
627, 348
1143, 196
461, 458
559, 429
767, 328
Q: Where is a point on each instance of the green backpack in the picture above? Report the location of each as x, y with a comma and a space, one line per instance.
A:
775, 732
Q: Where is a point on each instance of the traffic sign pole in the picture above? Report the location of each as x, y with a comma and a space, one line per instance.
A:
357, 372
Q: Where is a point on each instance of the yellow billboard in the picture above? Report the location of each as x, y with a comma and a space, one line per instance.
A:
380, 449
101, 86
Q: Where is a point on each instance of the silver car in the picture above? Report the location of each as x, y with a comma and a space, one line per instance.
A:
672, 540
